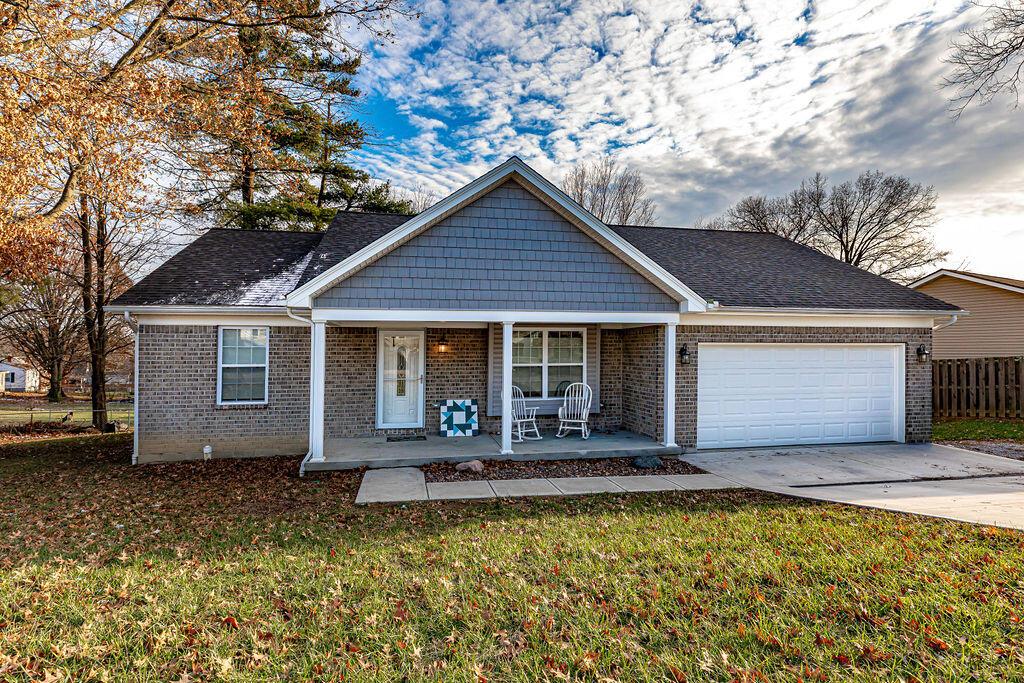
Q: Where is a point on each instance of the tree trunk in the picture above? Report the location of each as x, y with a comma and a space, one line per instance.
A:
98, 333
56, 380
93, 288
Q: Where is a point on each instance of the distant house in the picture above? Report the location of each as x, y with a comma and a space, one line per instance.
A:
18, 375
994, 326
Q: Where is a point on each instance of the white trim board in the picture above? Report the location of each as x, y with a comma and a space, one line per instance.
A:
723, 319
428, 316
981, 280
217, 319
303, 296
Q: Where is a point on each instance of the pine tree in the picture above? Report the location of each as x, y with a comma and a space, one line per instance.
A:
281, 163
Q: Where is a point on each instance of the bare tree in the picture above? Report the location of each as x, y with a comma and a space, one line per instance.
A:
46, 327
106, 243
613, 194
988, 60
420, 198
877, 222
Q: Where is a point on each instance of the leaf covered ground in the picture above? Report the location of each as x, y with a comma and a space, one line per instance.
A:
968, 429
242, 571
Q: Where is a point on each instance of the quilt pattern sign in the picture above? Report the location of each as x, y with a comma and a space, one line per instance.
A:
460, 417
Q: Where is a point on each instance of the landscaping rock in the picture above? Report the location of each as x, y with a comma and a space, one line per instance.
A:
647, 462
471, 466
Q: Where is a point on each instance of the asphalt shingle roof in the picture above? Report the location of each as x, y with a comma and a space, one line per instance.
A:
258, 268
760, 270
228, 267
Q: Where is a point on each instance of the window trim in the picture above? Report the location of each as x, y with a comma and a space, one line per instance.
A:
544, 364
221, 366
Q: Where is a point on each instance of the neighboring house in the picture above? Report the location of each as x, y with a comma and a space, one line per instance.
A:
994, 326
261, 343
18, 376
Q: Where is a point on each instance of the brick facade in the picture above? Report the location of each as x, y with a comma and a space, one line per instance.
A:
643, 378
918, 375
177, 389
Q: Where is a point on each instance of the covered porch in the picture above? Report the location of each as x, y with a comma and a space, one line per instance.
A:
378, 451
644, 404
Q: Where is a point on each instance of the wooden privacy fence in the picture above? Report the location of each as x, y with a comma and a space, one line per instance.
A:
978, 387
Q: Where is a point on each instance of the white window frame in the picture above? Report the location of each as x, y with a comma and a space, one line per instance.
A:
221, 366
544, 364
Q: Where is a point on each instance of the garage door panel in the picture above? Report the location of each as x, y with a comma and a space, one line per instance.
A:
768, 394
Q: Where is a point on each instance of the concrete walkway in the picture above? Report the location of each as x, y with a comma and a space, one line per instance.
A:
925, 479
404, 484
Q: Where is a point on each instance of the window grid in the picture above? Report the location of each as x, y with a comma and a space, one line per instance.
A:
248, 349
545, 363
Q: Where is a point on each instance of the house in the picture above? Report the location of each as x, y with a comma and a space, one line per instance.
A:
995, 326
342, 345
18, 375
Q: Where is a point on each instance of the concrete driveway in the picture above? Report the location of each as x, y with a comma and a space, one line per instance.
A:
925, 479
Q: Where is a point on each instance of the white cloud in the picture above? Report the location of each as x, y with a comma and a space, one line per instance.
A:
710, 107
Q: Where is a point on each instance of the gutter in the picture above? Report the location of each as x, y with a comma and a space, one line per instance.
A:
834, 311
309, 322
198, 309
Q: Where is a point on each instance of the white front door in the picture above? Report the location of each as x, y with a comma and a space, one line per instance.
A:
400, 379
788, 394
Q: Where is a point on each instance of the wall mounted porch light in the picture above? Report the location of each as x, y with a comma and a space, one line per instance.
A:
922, 353
442, 345
684, 355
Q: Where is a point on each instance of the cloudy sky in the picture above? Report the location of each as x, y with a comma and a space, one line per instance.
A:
711, 101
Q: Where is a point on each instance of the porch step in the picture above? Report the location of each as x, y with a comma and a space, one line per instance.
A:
412, 454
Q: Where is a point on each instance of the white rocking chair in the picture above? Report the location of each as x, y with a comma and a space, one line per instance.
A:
524, 418
575, 410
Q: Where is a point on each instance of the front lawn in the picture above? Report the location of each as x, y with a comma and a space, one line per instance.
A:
991, 429
240, 571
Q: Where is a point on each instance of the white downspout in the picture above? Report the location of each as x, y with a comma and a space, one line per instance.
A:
309, 322
952, 319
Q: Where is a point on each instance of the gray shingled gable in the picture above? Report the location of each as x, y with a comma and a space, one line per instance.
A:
504, 250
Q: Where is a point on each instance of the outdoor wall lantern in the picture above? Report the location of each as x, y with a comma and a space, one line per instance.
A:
442, 346
922, 353
684, 355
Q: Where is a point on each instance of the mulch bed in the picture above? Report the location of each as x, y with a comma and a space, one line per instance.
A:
510, 469
1006, 449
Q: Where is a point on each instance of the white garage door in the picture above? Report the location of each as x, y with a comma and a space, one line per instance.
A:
782, 394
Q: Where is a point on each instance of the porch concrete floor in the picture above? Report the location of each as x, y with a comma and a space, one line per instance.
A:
377, 451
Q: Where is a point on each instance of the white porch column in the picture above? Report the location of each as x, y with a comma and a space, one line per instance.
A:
506, 388
669, 429
317, 366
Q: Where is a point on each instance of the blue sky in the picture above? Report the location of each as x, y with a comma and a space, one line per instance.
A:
711, 101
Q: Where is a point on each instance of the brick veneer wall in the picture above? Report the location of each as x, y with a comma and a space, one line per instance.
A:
350, 390
350, 382
642, 380
918, 375
178, 411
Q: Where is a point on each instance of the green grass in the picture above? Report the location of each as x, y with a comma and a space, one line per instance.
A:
978, 430
241, 571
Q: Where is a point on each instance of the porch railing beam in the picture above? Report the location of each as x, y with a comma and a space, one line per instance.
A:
669, 406
317, 367
506, 388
